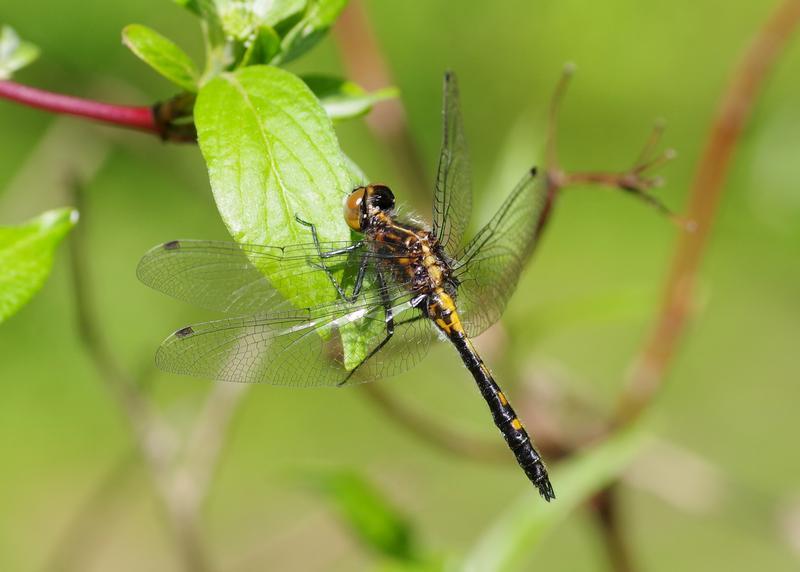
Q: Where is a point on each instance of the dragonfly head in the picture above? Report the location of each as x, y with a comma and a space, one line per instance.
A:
364, 203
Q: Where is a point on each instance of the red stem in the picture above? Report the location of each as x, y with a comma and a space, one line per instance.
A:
140, 118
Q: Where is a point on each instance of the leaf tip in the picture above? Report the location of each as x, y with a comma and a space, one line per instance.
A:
126, 32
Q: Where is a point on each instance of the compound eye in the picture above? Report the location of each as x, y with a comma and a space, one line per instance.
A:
353, 208
382, 197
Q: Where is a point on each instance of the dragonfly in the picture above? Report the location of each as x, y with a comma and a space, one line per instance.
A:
400, 286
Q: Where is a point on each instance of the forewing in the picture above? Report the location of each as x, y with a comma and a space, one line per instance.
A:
489, 267
240, 279
452, 201
297, 348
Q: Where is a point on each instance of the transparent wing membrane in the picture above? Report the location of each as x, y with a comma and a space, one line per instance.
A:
452, 201
298, 348
489, 266
228, 277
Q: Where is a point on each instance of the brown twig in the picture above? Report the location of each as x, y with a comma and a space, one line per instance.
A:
158, 120
606, 512
635, 180
658, 350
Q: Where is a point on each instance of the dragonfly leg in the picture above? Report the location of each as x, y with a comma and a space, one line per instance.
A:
389, 319
331, 253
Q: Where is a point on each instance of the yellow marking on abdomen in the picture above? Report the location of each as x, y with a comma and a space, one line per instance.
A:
502, 397
516, 423
455, 322
446, 302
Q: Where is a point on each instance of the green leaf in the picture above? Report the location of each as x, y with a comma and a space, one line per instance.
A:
522, 526
242, 18
376, 523
358, 337
311, 28
240, 33
343, 99
281, 10
213, 30
219, 53
238, 18
26, 256
205, 9
162, 55
263, 48
191, 5
15, 54
272, 154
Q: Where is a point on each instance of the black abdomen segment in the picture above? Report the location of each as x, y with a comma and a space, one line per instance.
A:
505, 418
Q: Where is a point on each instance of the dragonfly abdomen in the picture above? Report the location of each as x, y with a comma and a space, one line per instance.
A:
505, 418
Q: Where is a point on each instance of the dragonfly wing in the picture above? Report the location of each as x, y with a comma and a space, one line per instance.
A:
299, 348
412, 338
489, 266
232, 278
452, 201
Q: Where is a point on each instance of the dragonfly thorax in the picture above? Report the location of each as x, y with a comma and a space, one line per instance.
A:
411, 254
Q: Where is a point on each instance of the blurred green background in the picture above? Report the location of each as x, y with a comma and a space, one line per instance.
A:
578, 316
